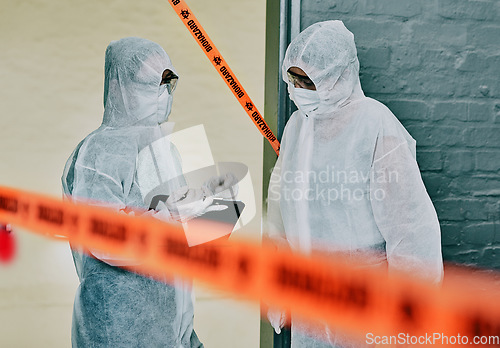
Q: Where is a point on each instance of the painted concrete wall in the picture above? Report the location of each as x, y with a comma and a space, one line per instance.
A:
436, 64
51, 83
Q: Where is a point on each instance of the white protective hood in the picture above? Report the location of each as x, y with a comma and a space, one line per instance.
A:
133, 72
327, 54
346, 179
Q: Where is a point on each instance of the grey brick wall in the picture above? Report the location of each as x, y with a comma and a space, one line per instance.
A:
436, 64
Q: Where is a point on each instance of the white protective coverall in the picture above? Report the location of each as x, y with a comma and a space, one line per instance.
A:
346, 179
114, 307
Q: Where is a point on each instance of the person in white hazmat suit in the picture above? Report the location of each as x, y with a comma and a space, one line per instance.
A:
346, 180
114, 307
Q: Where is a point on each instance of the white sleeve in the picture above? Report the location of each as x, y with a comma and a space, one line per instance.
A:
404, 213
91, 187
274, 228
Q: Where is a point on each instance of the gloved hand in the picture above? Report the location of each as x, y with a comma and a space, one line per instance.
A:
162, 212
277, 318
186, 203
223, 186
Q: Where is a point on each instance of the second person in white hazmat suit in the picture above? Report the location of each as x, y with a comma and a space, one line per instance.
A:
114, 307
346, 179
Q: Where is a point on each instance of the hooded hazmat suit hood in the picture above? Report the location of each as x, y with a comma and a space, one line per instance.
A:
326, 52
132, 92
346, 180
113, 307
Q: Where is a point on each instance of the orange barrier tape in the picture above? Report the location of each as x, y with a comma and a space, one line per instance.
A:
338, 292
213, 54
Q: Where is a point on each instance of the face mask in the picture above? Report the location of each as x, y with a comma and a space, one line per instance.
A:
164, 104
306, 100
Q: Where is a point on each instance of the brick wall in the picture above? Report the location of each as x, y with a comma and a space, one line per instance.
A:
436, 64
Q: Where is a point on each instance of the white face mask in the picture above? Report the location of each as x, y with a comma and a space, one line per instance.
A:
164, 104
306, 100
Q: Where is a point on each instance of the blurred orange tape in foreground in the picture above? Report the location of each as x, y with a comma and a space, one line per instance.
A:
346, 296
213, 54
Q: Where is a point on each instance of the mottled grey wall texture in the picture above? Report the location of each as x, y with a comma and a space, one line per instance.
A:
436, 64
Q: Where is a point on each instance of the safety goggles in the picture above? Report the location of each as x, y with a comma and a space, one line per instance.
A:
171, 82
300, 80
